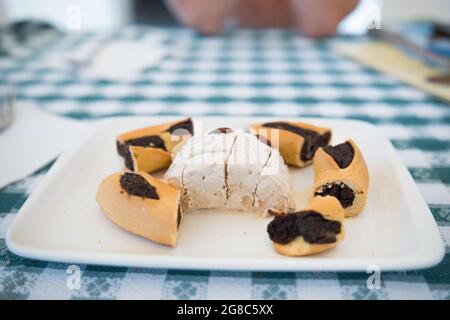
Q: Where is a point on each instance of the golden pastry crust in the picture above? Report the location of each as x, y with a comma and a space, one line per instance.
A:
329, 208
154, 219
355, 176
289, 143
158, 130
154, 154
149, 159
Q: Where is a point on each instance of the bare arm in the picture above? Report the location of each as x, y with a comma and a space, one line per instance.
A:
315, 18
320, 18
206, 17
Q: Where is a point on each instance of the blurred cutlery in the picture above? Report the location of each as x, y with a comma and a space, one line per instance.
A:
428, 56
7, 99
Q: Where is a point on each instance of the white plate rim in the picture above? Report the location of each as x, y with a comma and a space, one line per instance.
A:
429, 229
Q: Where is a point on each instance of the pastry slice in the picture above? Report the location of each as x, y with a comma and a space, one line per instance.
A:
297, 141
149, 149
274, 190
204, 176
245, 164
174, 174
317, 228
203, 181
340, 171
143, 205
199, 170
223, 169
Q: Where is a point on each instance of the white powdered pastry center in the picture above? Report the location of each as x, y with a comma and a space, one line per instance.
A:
234, 171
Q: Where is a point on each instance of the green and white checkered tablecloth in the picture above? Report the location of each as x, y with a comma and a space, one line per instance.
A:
270, 73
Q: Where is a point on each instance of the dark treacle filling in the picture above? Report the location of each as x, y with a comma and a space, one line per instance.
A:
223, 130
313, 140
129, 164
309, 224
182, 126
342, 154
179, 215
263, 139
341, 191
136, 185
124, 151
122, 148
148, 141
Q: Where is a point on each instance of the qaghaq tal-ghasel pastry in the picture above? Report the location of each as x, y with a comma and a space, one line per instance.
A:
341, 171
150, 149
143, 205
317, 228
296, 141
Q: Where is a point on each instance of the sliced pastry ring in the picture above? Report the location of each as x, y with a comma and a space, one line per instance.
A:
153, 209
341, 171
143, 205
296, 141
319, 227
150, 149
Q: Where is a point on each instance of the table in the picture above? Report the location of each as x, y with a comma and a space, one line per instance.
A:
266, 73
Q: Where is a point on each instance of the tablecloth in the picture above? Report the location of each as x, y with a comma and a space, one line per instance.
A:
246, 72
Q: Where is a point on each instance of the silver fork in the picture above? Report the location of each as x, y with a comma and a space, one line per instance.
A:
7, 100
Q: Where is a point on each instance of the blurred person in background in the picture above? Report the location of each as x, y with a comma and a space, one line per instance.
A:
314, 18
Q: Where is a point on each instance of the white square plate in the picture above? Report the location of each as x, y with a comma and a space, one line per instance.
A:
62, 222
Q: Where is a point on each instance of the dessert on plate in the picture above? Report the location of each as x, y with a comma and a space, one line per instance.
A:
317, 228
149, 149
231, 170
227, 169
297, 141
340, 171
143, 205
